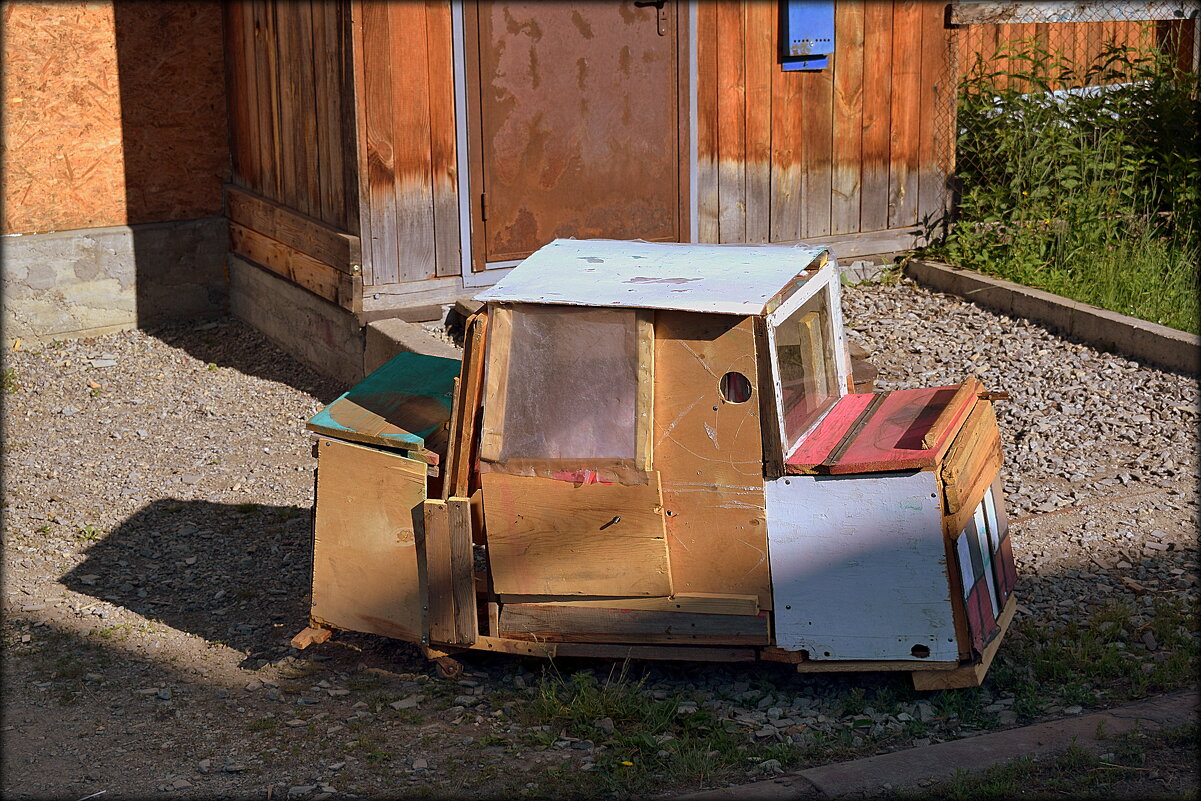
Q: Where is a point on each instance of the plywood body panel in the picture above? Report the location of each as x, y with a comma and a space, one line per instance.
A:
709, 454
859, 567
366, 560
550, 537
550, 622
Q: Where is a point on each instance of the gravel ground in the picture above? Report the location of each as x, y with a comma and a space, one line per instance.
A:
157, 513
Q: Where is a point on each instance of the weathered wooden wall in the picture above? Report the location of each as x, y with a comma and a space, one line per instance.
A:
294, 203
861, 146
404, 61
113, 114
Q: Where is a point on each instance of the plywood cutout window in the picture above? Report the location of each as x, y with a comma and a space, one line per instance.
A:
806, 362
564, 386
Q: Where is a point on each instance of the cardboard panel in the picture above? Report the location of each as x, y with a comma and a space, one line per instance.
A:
366, 575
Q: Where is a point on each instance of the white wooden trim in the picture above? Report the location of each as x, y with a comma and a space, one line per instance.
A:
827, 273
459, 57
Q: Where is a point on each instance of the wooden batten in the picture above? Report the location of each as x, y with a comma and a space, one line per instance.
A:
972, 460
552, 622
308, 235
439, 572
462, 572
344, 289
693, 602
495, 378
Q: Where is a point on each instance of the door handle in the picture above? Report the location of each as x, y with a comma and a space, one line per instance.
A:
661, 15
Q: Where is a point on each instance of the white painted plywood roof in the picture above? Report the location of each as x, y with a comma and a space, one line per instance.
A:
720, 279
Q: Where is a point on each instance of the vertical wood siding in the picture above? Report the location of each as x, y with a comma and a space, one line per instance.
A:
853, 148
410, 195
292, 132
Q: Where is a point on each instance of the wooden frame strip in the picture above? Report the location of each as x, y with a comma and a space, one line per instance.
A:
324, 243
949, 414
496, 382
439, 595
344, 289
644, 402
462, 571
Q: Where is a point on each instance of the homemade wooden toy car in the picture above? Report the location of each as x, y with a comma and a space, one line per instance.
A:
654, 451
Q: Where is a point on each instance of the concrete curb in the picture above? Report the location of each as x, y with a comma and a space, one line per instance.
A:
940, 762
1139, 339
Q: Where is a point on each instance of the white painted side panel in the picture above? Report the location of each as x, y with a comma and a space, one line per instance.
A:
858, 566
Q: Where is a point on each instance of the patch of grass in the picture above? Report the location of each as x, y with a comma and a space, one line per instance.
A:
263, 724
247, 508
1076, 192
88, 533
9, 381
1098, 658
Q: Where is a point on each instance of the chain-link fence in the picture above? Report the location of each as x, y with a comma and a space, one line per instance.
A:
1075, 124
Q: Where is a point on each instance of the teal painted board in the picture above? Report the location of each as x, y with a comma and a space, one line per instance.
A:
401, 404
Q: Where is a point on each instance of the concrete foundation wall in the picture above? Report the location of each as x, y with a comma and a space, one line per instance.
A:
93, 281
315, 331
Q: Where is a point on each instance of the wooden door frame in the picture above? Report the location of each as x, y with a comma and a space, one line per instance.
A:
465, 32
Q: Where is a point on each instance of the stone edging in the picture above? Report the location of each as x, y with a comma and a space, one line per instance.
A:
1129, 336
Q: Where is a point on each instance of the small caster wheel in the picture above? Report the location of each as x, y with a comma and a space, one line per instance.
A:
448, 667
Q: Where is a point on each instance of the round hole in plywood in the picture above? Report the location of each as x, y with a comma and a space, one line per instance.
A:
920, 651
735, 388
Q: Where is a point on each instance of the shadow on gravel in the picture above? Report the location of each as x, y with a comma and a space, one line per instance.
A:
237, 575
229, 342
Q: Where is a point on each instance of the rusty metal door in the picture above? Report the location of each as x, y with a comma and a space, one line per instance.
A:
575, 114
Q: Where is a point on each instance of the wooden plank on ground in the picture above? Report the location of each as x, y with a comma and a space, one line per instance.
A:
366, 574
709, 453
847, 157
549, 537
877, 104
760, 23
313, 237
699, 603
462, 568
562, 623
731, 124
408, 49
906, 113
300, 268
439, 573
708, 203
443, 164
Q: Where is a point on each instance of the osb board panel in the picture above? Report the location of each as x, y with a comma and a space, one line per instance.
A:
112, 116
366, 575
710, 456
550, 537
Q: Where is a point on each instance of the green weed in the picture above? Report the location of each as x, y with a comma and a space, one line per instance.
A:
1094, 194
88, 533
9, 381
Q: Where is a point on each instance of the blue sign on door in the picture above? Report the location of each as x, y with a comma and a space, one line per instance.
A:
807, 38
